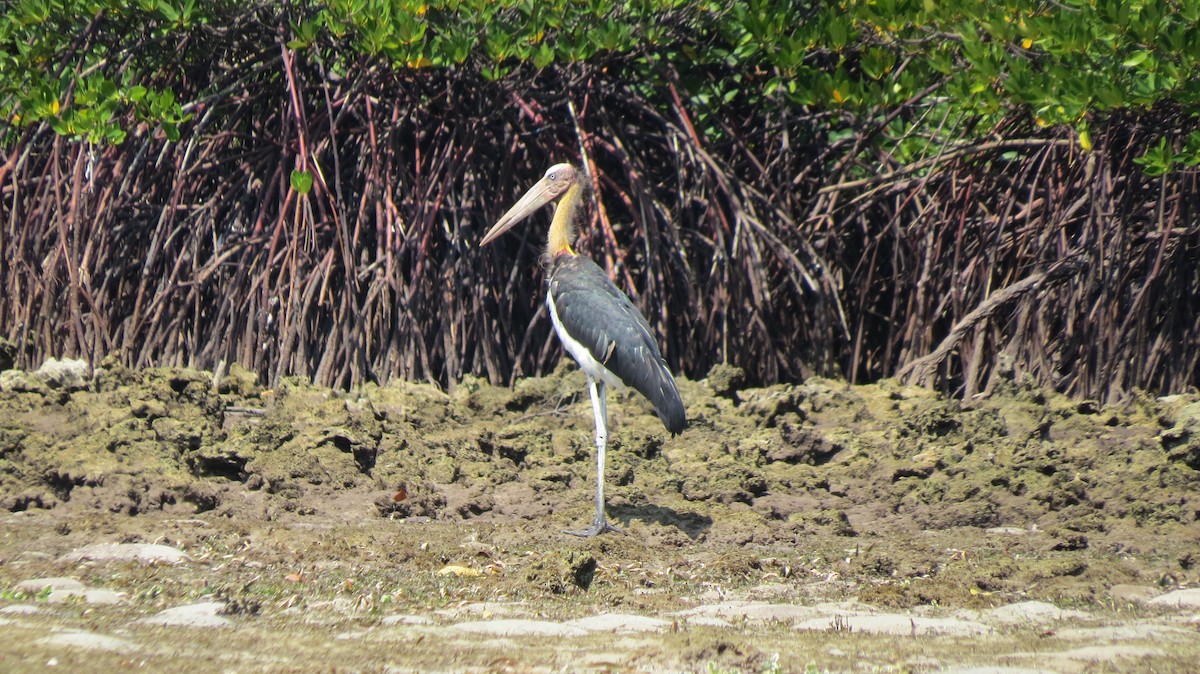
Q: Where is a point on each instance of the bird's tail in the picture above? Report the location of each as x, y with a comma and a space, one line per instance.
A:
667, 402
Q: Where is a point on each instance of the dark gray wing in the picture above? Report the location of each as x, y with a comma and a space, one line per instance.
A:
599, 316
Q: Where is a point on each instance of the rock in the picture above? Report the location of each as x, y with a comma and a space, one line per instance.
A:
483, 609
896, 624
802, 445
520, 628
147, 409
836, 522
147, 553
1007, 531
68, 589
562, 572
68, 373
1178, 599
407, 620
1133, 594
1182, 441
204, 614
1105, 654
725, 380
767, 405
18, 381
84, 639
990, 669
39, 585
708, 621
617, 622
86, 596
1128, 632
20, 609
1031, 612
751, 611
239, 380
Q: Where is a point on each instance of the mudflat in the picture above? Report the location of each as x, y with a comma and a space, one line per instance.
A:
170, 520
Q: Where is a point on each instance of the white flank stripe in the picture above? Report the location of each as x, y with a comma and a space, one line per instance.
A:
592, 367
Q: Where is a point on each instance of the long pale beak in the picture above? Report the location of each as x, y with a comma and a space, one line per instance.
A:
539, 195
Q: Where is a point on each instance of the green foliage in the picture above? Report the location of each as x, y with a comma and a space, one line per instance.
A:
1062, 64
90, 68
87, 68
494, 36
1163, 157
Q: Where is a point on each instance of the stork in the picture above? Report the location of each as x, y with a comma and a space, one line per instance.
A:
596, 323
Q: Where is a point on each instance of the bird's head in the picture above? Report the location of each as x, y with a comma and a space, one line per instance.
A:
554, 184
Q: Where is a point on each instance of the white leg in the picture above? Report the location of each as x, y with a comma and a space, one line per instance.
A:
600, 411
596, 391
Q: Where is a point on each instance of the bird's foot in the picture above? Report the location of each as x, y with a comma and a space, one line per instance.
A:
598, 527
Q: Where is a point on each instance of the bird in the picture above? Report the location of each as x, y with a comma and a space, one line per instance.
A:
597, 324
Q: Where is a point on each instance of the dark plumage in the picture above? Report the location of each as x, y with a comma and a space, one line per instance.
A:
599, 316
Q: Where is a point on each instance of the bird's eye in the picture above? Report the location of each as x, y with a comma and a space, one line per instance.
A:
553, 175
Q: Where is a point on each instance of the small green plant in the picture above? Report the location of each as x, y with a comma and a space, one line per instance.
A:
1163, 157
13, 595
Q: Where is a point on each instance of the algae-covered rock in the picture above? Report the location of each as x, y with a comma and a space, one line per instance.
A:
725, 380
306, 438
239, 381
112, 374
148, 409
411, 500
68, 373
722, 480
181, 435
832, 521
802, 445
937, 420
562, 570
767, 405
412, 405
1182, 439
19, 381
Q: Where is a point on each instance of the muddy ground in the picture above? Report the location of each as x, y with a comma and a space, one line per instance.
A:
377, 530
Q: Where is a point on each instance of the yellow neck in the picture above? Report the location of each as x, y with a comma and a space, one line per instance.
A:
562, 229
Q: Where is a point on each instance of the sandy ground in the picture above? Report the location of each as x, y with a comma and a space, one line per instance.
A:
170, 520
